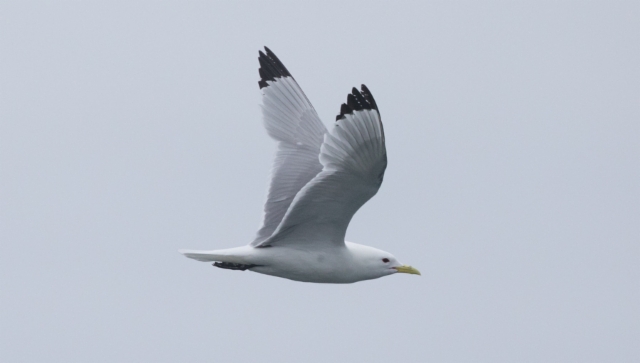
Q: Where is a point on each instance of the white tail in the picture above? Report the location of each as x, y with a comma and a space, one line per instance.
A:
233, 255
204, 256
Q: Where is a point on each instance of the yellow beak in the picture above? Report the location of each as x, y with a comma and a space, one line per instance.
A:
406, 269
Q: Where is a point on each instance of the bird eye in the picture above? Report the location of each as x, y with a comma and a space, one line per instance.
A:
385, 260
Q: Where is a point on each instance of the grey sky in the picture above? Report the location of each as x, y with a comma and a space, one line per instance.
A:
128, 131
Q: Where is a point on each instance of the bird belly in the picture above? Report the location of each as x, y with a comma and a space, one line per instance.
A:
307, 266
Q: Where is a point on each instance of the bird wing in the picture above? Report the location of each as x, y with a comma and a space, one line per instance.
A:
291, 120
354, 159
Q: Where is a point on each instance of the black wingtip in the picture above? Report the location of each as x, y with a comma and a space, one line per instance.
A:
344, 110
270, 67
368, 97
356, 101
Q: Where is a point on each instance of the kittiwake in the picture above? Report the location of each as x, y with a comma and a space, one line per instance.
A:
319, 180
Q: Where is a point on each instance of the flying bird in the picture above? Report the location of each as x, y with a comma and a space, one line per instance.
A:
319, 181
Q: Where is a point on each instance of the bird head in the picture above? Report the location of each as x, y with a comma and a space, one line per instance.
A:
377, 263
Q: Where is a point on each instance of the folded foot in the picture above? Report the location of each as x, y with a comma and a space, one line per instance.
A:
233, 266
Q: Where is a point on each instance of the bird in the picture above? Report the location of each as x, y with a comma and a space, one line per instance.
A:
319, 180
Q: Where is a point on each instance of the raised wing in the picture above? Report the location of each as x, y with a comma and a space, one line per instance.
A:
354, 159
290, 119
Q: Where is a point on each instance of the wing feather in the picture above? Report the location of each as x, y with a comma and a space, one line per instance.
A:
291, 120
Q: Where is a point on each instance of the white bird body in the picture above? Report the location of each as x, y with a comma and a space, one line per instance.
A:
344, 264
319, 181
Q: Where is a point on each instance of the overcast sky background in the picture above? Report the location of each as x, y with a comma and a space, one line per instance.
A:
131, 130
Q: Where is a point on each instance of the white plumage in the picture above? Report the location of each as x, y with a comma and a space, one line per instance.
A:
319, 181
